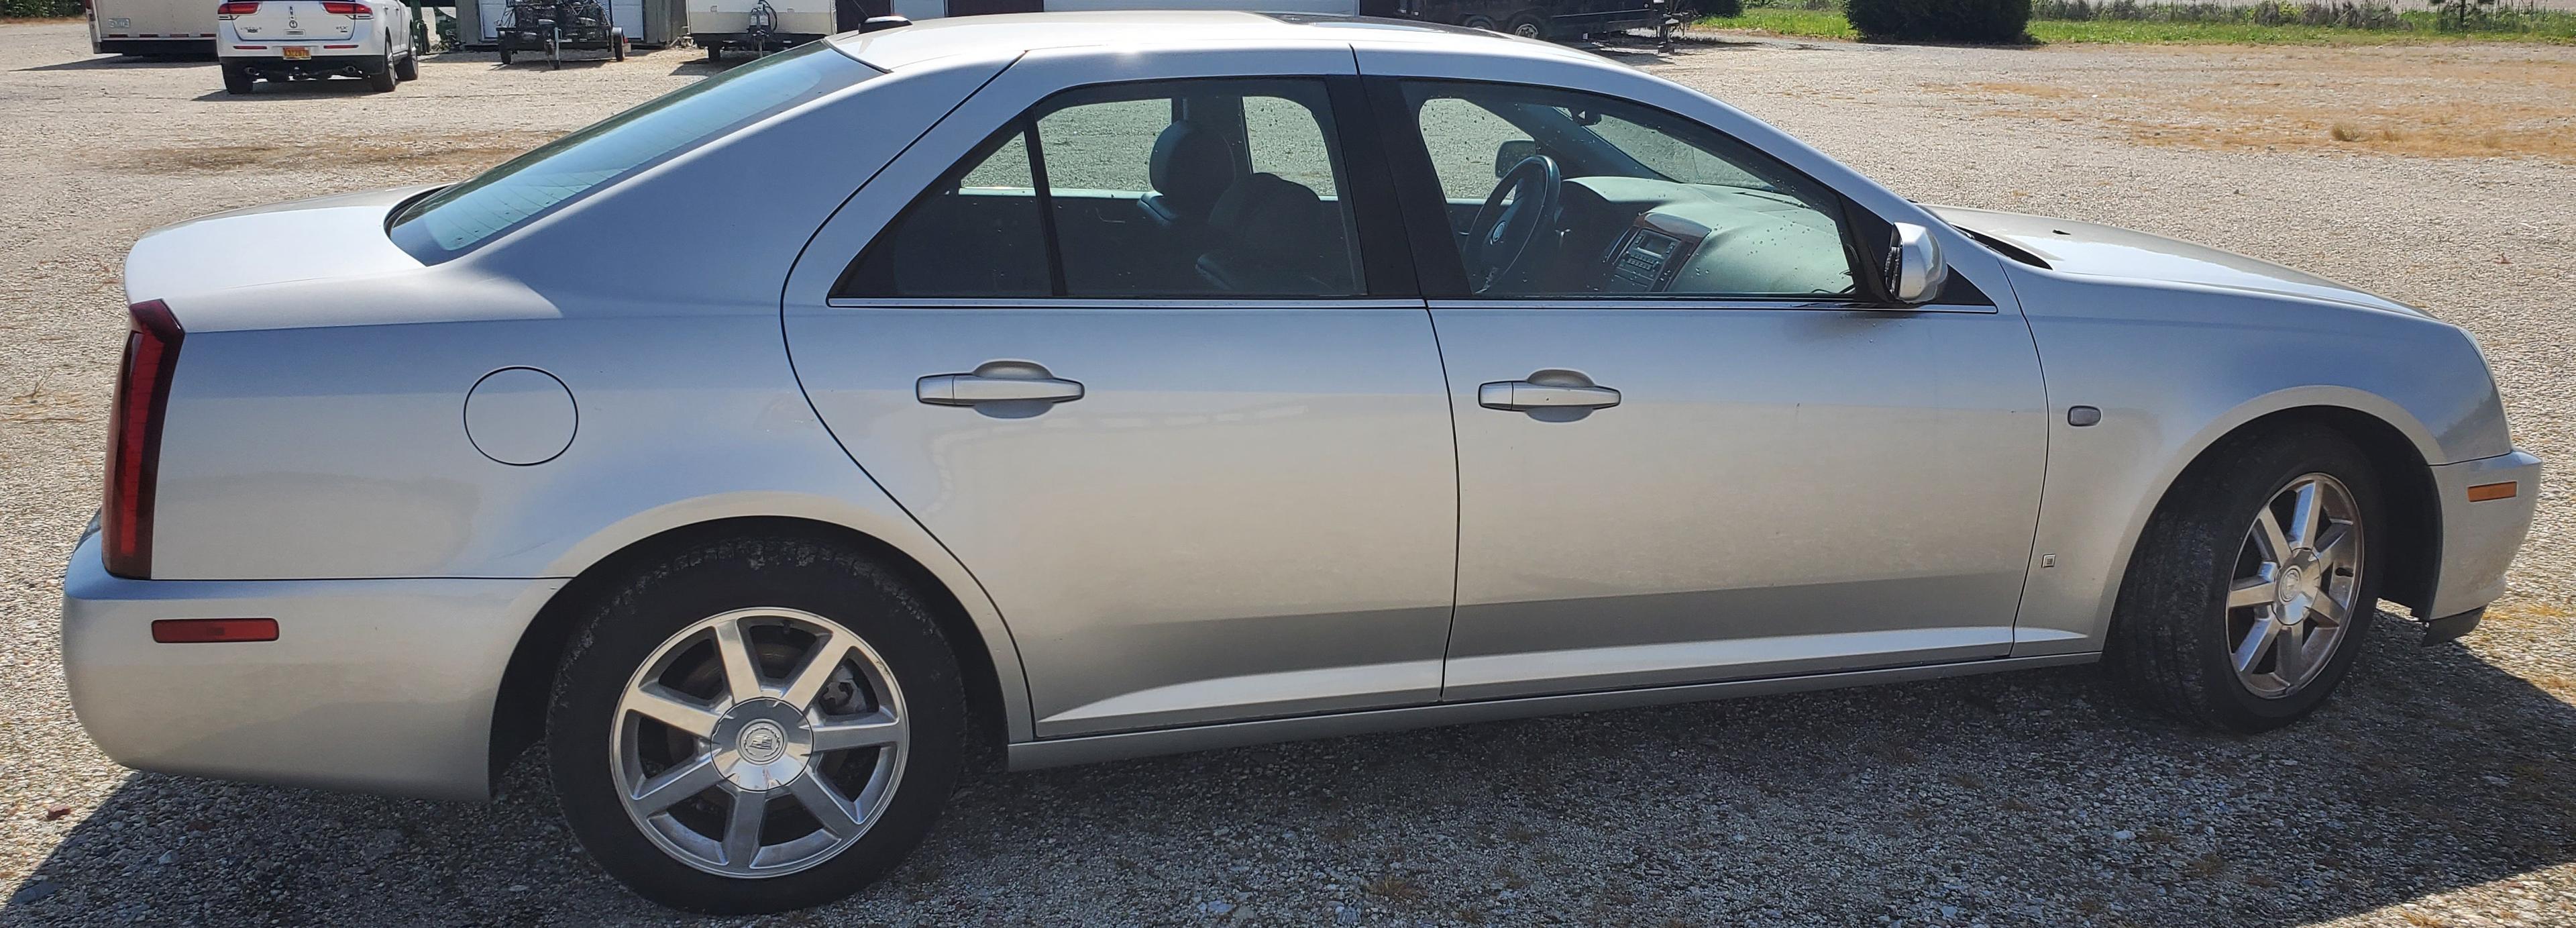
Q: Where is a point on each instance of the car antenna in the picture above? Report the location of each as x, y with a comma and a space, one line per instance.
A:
877, 23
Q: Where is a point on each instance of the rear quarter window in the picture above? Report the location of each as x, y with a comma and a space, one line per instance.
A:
455, 220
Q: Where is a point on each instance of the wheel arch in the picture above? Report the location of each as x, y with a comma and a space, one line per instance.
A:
997, 698
2400, 451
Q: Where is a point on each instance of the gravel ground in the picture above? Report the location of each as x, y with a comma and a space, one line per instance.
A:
2436, 791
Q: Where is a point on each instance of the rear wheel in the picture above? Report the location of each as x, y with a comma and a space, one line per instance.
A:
408, 68
381, 80
1528, 26
2255, 583
617, 45
505, 56
237, 79
1479, 22
756, 725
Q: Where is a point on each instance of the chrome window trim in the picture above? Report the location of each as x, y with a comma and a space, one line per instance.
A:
1054, 302
1700, 303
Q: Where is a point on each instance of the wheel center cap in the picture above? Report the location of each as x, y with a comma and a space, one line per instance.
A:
762, 744
2289, 583
763, 741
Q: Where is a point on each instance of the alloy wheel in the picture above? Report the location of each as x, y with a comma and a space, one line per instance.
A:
759, 742
2297, 577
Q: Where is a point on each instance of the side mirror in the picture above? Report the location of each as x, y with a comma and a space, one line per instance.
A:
1914, 271
1510, 154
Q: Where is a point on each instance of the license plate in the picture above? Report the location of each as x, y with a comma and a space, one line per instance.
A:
296, 52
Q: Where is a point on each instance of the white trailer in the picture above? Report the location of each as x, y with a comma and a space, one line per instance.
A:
152, 27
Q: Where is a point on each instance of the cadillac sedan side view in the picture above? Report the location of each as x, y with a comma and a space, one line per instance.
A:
1096, 385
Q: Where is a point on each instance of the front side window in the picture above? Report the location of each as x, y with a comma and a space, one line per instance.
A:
1560, 193
1174, 189
455, 220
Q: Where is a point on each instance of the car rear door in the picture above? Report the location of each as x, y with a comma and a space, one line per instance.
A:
1203, 468
1726, 466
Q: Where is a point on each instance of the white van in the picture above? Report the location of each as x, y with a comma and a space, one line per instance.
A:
152, 27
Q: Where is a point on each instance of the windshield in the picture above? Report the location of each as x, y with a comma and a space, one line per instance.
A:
455, 220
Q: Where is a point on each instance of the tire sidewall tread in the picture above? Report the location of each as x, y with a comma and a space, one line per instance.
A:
2168, 641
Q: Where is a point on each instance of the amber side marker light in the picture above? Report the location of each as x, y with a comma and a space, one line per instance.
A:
2490, 491
202, 631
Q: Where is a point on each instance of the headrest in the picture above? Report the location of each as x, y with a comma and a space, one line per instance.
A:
1192, 166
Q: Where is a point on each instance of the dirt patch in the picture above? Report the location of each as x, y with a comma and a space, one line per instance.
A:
2500, 104
478, 149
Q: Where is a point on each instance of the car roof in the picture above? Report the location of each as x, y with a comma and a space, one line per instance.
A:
1015, 33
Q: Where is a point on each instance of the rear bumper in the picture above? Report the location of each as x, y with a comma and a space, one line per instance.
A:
267, 63
383, 686
2479, 539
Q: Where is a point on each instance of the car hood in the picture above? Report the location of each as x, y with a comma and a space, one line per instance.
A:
337, 236
2110, 251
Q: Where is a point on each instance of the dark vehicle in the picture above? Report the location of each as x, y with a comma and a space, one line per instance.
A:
553, 26
1533, 19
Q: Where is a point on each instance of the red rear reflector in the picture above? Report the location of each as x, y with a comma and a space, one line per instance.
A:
202, 631
343, 8
134, 438
339, 46
2488, 491
237, 8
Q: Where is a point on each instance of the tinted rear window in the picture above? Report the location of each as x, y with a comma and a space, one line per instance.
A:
455, 220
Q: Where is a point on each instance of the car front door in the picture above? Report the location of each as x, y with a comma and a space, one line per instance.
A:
1691, 447
1137, 354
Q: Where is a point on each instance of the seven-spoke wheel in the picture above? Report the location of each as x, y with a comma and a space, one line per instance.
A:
759, 741
755, 724
2296, 581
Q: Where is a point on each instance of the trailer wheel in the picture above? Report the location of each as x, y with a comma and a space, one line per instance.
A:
1479, 22
505, 56
617, 45
1528, 26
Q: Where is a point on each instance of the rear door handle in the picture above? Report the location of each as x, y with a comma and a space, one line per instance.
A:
1524, 395
975, 389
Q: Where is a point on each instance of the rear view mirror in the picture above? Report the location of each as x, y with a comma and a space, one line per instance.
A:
1510, 154
1914, 271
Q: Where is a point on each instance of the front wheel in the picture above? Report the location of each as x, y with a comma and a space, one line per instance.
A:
2255, 583
756, 725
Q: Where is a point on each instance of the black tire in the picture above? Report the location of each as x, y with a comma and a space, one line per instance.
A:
408, 69
1528, 26
789, 571
617, 45
554, 51
381, 80
2169, 629
237, 79
1479, 22
505, 56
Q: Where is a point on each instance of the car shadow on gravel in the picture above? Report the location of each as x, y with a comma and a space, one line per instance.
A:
122, 62
2027, 798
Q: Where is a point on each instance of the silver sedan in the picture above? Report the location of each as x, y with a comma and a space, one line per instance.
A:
1074, 387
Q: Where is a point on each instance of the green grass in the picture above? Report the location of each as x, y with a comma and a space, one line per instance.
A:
1820, 24
1829, 24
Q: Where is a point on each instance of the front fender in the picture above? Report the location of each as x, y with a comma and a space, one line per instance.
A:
2175, 368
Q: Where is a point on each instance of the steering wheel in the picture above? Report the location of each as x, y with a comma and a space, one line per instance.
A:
1524, 203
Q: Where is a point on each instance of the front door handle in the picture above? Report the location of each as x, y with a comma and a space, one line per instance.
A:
977, 389
1524, 395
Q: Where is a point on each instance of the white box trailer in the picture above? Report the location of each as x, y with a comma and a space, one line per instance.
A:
651, 23
152, 27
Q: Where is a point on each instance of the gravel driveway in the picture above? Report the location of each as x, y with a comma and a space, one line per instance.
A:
2439, 790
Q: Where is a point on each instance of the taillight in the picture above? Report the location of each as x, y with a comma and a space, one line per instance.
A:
345, 8
237, 8
134, 437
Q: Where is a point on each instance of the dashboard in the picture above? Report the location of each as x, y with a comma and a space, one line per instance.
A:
1630, 235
